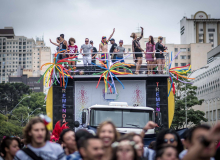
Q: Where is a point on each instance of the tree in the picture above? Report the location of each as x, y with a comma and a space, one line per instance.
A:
11, 94
193, 116
8, 128
29, 107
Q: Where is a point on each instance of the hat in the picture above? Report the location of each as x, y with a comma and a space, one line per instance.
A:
91, 41
103, 37
121, 41
112, 39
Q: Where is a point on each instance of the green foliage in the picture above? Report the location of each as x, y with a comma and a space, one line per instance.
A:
8, 128
193, 117
11, 94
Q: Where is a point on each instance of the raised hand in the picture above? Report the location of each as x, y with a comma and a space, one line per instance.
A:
142, 28
150, 125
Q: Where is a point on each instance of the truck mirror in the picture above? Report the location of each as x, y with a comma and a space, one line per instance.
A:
83, 117
76, 124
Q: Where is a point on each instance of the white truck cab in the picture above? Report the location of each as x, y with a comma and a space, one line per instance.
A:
126, 118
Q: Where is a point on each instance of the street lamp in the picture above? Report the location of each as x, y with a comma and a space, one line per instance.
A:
18, 104
31, 114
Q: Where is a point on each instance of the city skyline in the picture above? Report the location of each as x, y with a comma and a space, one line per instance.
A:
51, 18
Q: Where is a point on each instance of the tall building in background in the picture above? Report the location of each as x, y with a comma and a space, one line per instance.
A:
200, 28
194, 54
21, 52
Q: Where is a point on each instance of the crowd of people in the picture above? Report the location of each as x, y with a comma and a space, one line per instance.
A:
199, 143
154, 53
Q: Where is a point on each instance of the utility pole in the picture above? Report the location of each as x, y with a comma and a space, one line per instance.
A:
185, 105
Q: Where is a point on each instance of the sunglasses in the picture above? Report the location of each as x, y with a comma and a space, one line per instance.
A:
86, 41
171, 140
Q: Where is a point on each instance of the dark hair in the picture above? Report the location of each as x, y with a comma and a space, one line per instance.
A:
58, 38
28, 128
192, 130
152, 40
72, 39
85, 140
63, 133
160, 139
62, 35
125, 138
162, 148
152, 145
6, 142
80, 134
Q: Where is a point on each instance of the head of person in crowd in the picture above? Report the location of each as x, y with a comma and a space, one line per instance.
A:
107, 133
91, 42
91, 148
125, 149
185, 140
61, 37
58, 39
112, 40
72, 41
87, 41
168, 136
81, 133
121, 43
67, 138
167, 152
9, 147
151, 40
160, 39
36, 132
133, 35
152, 145
195, 136
104, 39
138, 141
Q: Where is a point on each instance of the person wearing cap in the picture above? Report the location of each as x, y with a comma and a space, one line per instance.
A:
160, 48
112, 49
103, 46
94, 50
119, 56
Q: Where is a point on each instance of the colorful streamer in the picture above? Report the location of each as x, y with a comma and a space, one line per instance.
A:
57, 69
178, 71
110, 71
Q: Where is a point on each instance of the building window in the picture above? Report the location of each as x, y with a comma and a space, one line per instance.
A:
200, 40
176, 49
129, 49
176, 57
188, 56
183, 64
201, 36
176, 64
183, 49
182, 57
211, 30
201, 30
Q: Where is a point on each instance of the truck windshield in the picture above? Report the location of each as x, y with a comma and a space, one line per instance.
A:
121, 118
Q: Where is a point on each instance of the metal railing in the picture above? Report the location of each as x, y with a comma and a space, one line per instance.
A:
84, 64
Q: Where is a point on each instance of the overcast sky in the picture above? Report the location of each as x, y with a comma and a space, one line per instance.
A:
97, 18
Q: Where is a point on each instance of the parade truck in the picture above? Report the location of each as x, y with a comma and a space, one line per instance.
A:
126, 118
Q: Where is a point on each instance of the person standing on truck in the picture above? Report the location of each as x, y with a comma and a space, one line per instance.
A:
94, 50
119, 56
136, 47
112, 49
73, 49
87, 58
103, 46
